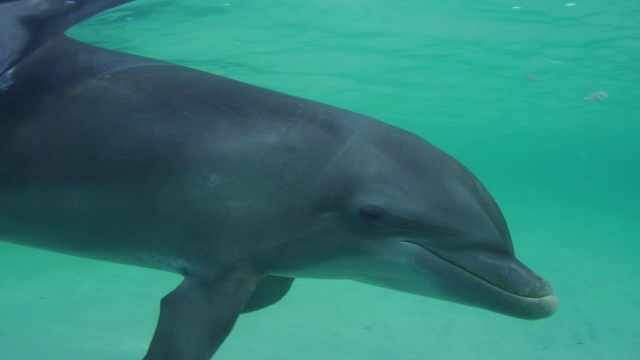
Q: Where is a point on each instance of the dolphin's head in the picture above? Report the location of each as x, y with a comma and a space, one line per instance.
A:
409, 217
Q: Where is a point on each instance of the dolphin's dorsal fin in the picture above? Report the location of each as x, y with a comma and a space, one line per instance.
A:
26, 25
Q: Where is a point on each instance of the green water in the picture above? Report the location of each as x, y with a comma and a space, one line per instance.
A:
500, 88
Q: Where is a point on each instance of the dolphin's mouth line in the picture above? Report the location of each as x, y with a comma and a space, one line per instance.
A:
497, 287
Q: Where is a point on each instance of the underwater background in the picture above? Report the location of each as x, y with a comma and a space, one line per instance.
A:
540, 99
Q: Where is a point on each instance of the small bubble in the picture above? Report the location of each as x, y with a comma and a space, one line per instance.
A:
597, 96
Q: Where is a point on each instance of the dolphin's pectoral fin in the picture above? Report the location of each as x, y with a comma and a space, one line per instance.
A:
268, 292
198, 315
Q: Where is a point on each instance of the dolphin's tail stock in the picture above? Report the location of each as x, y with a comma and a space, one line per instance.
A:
26, 25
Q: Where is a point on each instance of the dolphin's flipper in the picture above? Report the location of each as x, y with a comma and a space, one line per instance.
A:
26, 25
198, 315
268, 292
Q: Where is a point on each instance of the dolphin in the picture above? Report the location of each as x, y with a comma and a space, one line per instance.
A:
237, 188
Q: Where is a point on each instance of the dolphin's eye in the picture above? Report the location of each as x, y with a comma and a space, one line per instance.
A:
371, 214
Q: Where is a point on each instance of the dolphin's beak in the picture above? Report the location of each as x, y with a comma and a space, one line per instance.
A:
490, 280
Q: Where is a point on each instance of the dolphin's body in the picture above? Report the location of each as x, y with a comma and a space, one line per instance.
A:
240, 189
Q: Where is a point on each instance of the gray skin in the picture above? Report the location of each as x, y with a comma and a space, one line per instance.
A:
238, 188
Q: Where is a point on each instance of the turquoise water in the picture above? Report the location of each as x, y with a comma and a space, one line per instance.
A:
499, 87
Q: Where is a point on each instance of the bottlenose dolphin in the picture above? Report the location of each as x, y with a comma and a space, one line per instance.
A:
237, 188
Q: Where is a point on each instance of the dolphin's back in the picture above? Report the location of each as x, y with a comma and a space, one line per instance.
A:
91, 137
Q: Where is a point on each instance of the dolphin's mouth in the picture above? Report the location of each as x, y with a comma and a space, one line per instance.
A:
503, 274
